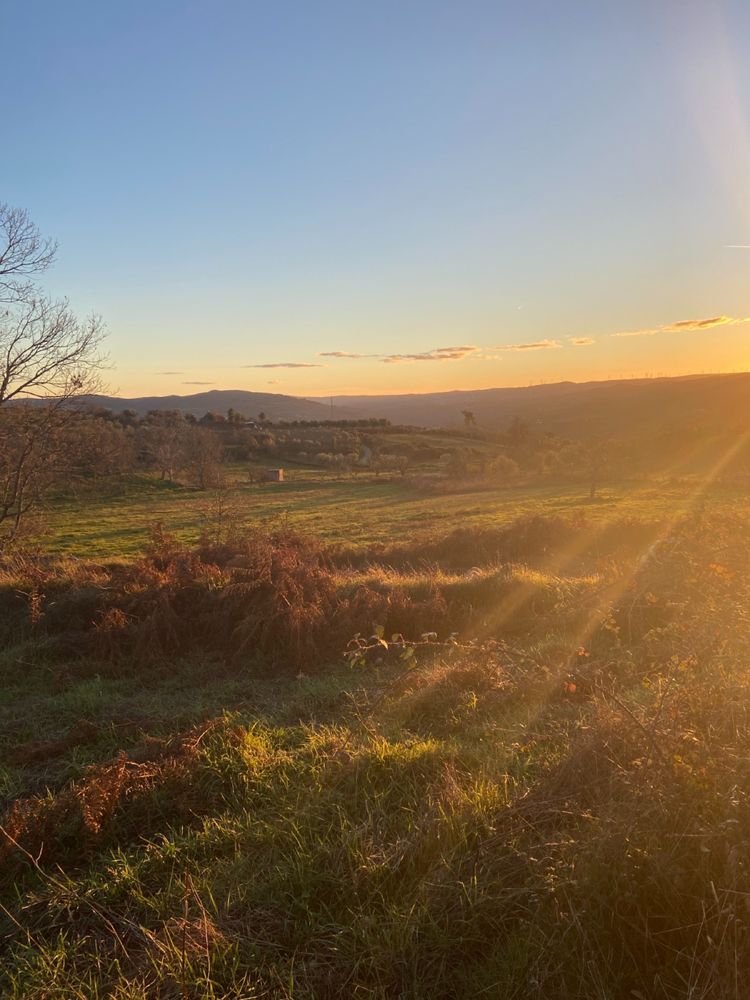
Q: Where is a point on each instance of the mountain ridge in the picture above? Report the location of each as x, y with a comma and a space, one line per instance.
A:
612, 407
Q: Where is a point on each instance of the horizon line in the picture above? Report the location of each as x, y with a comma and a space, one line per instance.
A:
327, 397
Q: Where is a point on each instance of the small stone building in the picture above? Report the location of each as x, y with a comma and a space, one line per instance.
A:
274, 475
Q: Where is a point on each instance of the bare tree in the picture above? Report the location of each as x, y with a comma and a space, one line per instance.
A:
23, 253
46, 352
28, 464
48, 359
162, 442
203, 454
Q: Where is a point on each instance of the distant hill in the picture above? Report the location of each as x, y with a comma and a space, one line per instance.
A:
578, 409
275, 405
574, 409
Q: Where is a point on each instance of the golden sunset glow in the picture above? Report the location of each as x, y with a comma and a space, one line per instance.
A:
374, 522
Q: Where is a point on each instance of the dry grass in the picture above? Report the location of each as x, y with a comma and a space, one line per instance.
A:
162, 777
277, 596
558, 810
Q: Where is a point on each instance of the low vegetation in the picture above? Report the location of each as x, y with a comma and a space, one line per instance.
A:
507, 762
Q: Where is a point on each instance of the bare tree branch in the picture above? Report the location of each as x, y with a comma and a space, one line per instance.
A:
45, 351
48, 359
23, 253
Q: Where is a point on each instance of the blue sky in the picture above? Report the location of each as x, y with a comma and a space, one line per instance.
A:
253, 184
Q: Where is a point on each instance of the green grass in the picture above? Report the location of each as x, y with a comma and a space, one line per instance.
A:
39, 707
561, 812
333, 866
354, 509
456, 841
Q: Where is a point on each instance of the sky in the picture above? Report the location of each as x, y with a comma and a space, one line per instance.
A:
321, 198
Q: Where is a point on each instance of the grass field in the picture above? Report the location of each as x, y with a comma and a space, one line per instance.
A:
355, 509
199, 796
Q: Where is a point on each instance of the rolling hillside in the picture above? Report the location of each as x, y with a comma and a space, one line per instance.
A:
615, 408
275, 405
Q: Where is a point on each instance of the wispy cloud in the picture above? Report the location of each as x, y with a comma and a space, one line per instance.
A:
581, 341
199, 383
456, 353
345, 354
537, 345
273, 381
686, 326
438, 354
169, 373
286, 364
